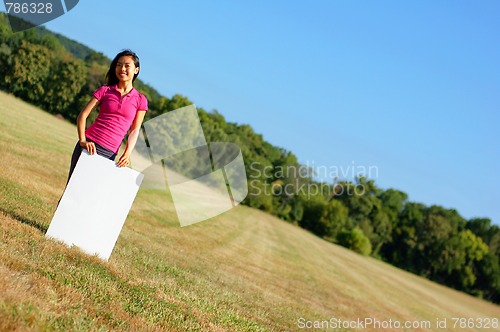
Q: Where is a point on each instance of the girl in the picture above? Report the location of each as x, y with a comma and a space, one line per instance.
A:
122, 108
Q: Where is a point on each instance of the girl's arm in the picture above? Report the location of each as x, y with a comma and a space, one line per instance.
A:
81, 122
132, 139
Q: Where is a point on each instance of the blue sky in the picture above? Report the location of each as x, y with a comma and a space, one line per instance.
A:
409, 87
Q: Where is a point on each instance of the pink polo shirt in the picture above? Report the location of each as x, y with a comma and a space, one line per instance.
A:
116, 115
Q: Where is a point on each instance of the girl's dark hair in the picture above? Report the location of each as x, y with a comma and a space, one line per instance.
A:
111, 78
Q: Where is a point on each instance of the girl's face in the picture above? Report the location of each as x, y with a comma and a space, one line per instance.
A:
125, 68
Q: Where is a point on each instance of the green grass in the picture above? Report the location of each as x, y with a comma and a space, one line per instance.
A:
241, 271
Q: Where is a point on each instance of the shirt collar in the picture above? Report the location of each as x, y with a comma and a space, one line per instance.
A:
131, 93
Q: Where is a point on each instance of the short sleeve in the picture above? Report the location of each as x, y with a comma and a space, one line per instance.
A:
143, 103
99, 93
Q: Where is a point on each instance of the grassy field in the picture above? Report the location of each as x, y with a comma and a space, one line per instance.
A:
241, 271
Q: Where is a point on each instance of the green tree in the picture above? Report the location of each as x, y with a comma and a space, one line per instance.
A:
27, 71
458, 259
324, 219
366, 211
393, 201
488, 278
98, 58
177, 101
5, 54
489, 233
259, 195
58, 97
405, 248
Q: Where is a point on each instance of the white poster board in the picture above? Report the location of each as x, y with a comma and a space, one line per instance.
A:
95, 204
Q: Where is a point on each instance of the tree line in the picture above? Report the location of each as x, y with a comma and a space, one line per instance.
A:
58, 74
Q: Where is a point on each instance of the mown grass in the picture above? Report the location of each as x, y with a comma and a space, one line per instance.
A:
241, 271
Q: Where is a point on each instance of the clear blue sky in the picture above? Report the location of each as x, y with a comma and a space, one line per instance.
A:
410, 87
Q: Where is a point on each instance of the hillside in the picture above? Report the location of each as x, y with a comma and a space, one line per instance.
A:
431, 241
244, 270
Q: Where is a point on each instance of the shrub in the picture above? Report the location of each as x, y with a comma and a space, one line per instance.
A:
355, 240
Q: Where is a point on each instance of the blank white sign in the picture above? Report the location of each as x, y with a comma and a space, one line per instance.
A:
95, 204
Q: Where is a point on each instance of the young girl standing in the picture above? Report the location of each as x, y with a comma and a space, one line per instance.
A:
122, 110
